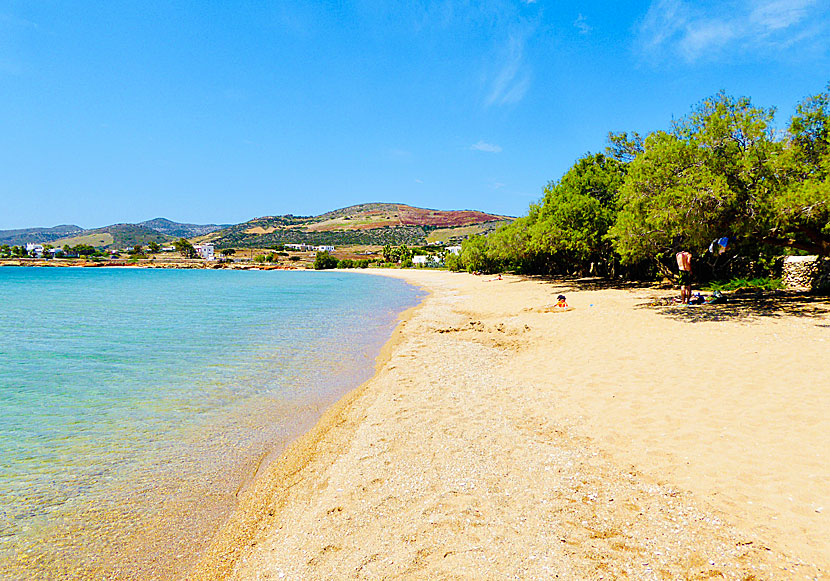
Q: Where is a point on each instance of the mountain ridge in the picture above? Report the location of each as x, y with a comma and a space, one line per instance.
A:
371, 223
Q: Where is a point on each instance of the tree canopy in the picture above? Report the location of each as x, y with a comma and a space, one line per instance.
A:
721, 171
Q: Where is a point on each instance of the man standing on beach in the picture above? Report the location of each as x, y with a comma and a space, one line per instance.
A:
684, 263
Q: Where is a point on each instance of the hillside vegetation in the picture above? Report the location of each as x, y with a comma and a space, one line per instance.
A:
158, 230
375, 224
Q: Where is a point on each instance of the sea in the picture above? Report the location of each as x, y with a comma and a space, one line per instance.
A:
137, 405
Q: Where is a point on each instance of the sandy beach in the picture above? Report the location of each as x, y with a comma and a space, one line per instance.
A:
618, 440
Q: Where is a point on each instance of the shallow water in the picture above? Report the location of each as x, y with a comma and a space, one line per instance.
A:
137, 403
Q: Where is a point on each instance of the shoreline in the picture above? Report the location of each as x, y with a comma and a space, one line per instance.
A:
262, 494
296, 504
198, 478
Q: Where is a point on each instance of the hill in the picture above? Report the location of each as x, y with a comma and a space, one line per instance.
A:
179, 230
367, 224
160, 230
38, 235
116, 236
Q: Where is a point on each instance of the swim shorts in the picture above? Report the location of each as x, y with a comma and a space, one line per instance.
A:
684, 278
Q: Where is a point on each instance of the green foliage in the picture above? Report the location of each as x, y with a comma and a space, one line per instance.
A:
720, 171
762, 283
84, 250
324, 260
398, 254
154, 247
712, 176
185, 248
566, 230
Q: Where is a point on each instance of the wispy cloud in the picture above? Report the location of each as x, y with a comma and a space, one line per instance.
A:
581, 23
484, 146
511, 78
706, 30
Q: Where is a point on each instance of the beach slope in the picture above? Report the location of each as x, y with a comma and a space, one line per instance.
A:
614, 440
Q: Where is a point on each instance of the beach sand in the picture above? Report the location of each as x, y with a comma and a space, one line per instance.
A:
617, 440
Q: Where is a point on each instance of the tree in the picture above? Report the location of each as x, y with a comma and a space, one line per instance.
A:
713, 175
324, 260
567, 229
800, 214
185, 248
84, 250
227, 252
154, 247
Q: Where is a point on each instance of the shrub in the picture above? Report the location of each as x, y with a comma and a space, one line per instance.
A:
324, 261
762, 283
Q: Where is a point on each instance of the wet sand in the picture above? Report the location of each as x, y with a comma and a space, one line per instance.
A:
615, 440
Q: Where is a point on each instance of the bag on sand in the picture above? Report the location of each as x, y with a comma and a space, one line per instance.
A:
717, 298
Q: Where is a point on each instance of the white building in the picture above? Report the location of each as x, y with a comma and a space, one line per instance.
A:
205, 251
37, 248
454, 250
325, 248
423, 259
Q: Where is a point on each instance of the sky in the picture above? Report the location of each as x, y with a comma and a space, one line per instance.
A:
219, 112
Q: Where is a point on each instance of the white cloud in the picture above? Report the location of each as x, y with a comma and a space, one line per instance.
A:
707, 29
511, 80
779, 14
484, 146
582, 24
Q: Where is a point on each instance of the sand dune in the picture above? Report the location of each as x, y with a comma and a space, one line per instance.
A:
615, 440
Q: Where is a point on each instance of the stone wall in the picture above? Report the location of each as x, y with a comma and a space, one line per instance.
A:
806, 273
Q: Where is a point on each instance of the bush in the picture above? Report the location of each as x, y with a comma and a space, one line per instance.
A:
345, 263
324, 261
453, 262
762, 283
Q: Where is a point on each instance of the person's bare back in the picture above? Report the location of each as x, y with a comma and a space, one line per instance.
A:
684, 260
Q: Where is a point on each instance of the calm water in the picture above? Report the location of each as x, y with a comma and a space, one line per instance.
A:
136, 404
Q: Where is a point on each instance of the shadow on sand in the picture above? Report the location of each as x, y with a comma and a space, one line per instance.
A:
746, 305
750, 305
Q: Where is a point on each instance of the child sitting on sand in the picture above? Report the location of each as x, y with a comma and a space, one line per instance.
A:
561, 303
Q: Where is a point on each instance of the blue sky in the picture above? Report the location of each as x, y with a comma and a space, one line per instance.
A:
224, 111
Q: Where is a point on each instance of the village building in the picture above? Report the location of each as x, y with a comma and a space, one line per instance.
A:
34, 247
206, 251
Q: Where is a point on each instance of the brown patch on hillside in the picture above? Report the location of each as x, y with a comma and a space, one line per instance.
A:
260, 230
404, 216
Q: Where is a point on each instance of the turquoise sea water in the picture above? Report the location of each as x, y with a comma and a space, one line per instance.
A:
137, 403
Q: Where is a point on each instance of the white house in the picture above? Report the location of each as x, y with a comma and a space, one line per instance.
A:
325, 248
423, 259
205, 251
37, 248
454, 250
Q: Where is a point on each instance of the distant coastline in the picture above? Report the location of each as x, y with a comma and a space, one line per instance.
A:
183, 263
